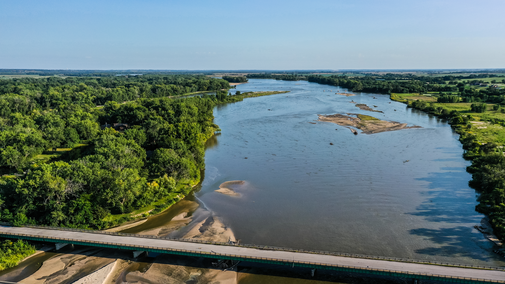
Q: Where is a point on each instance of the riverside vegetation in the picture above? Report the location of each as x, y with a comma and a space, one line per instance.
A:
11, 253
473, 104
95, 152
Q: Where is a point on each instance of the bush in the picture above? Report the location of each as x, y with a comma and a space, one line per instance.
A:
479, 107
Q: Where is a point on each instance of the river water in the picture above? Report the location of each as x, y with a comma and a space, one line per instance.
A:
397, 194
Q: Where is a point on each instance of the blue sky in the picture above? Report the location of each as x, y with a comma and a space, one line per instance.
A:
223, 34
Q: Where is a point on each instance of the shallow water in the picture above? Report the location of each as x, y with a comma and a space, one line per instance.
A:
399, 194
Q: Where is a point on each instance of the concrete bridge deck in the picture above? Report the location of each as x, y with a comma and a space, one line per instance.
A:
309, 260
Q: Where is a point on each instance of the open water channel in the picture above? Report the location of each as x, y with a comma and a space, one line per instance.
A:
398, 194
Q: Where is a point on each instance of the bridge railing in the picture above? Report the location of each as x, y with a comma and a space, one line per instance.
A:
274, 248
337, 267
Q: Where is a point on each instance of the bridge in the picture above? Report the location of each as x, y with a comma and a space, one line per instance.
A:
384, 267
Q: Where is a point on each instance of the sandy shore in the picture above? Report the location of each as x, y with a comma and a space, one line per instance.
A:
126, 226
66, 267
227, 187
99, 276
235, 84
367, 124
203, 225
365, 107
90, 265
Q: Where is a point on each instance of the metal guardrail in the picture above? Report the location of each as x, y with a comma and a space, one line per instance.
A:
263, 247
343, 268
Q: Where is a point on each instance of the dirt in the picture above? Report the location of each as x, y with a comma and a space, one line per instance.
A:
368, 125
365, 107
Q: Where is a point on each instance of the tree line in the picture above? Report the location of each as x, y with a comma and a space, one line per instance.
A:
123, 155
235, 79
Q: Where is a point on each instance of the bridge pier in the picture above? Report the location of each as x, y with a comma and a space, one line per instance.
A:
137, 253
313, 272
62, 245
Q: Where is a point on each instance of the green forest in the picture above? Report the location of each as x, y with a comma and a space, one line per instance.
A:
78, 151
235, 79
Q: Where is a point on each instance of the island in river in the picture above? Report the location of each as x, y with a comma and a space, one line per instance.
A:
367, 124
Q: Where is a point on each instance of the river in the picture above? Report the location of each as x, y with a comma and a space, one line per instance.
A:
397, 194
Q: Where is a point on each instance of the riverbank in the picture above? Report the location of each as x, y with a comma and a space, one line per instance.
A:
193, 222
183, 187
367, 124
14, 252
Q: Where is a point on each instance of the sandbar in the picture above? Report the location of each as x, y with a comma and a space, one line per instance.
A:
365, 107
226, 188
367, 124
345, 94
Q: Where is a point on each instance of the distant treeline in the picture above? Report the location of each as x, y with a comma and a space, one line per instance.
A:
54, 92
235, 79
285, 77
404, 83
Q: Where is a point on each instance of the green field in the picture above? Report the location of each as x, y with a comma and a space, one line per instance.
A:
485, 131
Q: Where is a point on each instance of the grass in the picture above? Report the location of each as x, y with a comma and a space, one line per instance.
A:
50, 154
412, 96
491, 133
366, 117
485, 133
488, 80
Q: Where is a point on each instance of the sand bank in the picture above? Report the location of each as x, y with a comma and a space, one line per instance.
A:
169, 269
211, 229
126, 226
227, 187
235, 84
102, 275
367, 124
365, 107
203, 225
345, 94
67, 267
